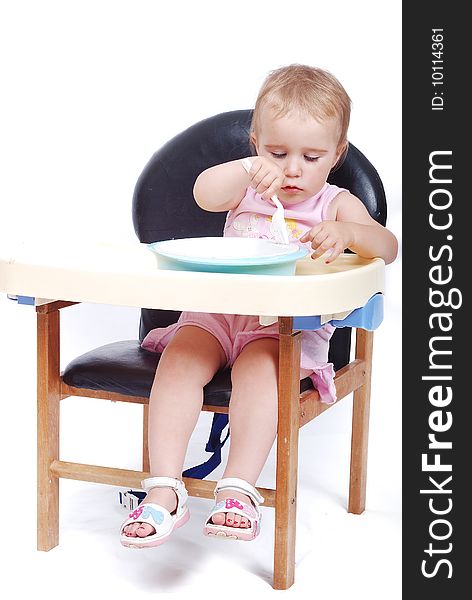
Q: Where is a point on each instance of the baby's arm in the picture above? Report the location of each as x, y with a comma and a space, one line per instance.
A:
351, 226
222, 187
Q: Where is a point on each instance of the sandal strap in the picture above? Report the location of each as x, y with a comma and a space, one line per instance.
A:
170, 482
153, 514
239, 485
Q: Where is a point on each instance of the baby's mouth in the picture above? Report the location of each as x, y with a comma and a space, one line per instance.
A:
291, 188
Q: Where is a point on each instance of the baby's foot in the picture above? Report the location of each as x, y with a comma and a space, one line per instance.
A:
229, 518
165, 497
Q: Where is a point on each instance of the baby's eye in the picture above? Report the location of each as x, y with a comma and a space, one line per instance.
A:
279, 154
311, 158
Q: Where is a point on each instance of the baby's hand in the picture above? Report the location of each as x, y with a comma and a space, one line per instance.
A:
329, 235
265, 177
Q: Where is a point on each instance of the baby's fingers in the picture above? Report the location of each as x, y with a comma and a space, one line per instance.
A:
274, 188
321, 243
260, 177
317, 237
314, 235
264, 185
334, 252
266, 178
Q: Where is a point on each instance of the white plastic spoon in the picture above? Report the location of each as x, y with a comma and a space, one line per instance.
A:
278, 220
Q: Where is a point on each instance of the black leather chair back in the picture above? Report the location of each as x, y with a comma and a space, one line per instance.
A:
164, 208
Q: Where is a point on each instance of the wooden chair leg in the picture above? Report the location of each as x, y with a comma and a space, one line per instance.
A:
48, 427
360, 426
287, 455
146, 467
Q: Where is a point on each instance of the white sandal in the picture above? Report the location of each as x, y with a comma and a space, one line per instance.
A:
250, 511
156, 515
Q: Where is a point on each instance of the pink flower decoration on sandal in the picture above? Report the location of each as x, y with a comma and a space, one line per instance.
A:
232, 503
136, 513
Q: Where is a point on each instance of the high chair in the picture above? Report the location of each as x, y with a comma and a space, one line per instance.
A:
163, 207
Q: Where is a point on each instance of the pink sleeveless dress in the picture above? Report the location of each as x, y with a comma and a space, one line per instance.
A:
252, 218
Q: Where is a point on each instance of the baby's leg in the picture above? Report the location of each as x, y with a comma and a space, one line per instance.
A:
187, 364
253, 413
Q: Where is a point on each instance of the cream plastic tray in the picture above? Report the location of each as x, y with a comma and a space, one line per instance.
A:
126, 275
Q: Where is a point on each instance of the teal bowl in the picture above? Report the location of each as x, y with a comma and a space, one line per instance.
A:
228, 255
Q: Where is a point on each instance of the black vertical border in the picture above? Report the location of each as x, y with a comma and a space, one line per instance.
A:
425, 131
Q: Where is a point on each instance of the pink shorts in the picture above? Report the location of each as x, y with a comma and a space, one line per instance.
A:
234, 332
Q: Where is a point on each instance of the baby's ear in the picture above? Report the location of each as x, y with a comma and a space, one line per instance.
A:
342, 150
340, 155
253, 139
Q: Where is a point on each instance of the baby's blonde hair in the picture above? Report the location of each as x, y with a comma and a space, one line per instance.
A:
309, 91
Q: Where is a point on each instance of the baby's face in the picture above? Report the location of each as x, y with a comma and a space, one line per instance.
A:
304, 148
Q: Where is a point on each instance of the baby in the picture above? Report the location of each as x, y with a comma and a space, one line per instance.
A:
299, 133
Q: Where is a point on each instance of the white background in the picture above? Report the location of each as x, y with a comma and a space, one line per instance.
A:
90, 90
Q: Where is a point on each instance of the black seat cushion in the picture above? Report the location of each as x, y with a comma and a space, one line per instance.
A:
124, 367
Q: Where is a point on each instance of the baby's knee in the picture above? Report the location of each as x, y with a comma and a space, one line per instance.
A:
258, 364
182, 359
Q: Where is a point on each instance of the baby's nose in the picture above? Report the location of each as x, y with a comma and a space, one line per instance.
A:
292, 168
